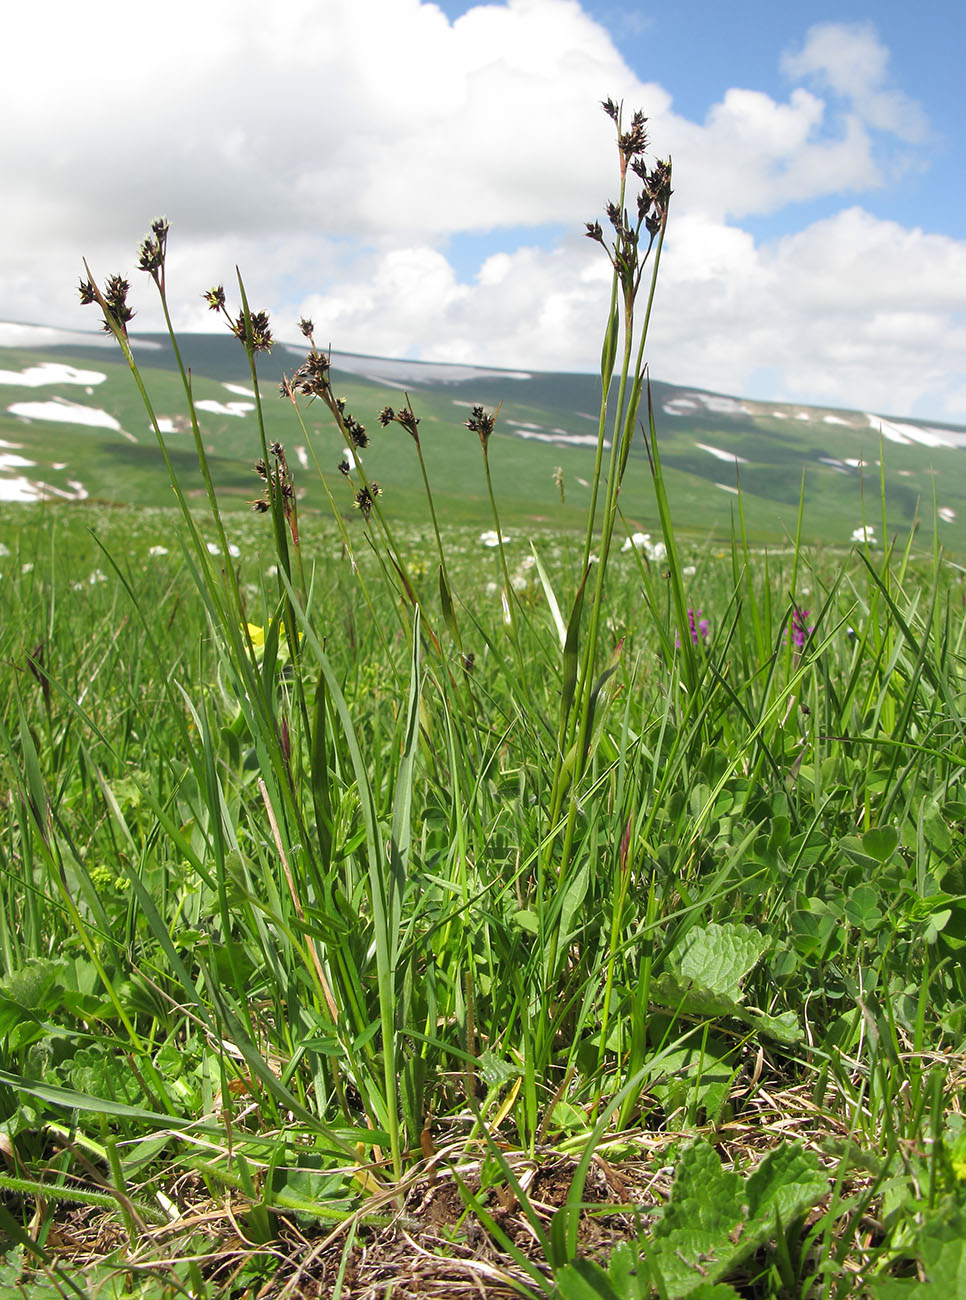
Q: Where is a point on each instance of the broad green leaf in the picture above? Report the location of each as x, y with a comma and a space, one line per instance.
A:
693, 1240
880, 842
705, 978
717, 957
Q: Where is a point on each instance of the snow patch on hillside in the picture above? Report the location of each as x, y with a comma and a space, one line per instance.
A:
907, 434
728, 456
225, 408
50, 372
65, 412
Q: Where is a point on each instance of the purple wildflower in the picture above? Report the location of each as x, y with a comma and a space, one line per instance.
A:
700, 628
800, 628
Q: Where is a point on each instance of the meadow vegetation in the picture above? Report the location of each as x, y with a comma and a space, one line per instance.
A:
389, 908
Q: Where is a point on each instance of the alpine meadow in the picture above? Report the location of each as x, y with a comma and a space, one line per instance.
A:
436, 862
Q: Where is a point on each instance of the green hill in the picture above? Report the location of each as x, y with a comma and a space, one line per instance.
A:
72, 427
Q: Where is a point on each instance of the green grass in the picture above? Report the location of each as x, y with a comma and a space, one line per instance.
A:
367, 880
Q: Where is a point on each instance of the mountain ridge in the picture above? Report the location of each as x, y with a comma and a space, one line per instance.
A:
713, 444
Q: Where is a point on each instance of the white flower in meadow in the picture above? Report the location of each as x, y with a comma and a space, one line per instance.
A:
946, 514
636, 542
233, 551
642, 542
272, 571
96, 577
77, 586
492, 538
491, 588
689, 571
656, 552
28, 567
213, 549
155, 551
864, 533
4, 550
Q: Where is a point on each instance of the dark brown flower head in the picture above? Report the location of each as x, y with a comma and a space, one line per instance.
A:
285, 388
356, 431
481, 423
469, 662
115, 295
261, 334
611, 109
278, 487
659, 184
306, 326
365, 498
406, 418
344, 467
594, 231
409, 421
312, 377
87, 293
215, 298
152, 252
634, 141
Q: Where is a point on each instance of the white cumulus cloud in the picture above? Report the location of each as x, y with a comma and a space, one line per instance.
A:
335, 153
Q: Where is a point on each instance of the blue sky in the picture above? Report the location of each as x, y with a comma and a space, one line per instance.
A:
415, 176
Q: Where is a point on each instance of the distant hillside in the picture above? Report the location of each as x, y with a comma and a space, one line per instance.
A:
73, 427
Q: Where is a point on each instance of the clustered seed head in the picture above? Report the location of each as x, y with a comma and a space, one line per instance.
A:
305, 325
356, 431
406, 418
277, 478
365, 498
153, 249
481, 423
257, 322
634, 141
312, 377
113, 301
261, 334
651, 204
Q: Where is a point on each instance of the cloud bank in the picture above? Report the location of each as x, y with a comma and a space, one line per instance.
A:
339, 153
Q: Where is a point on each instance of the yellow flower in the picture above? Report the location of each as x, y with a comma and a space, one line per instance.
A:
257, 635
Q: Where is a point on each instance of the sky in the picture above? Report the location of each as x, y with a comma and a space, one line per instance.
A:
415, 177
